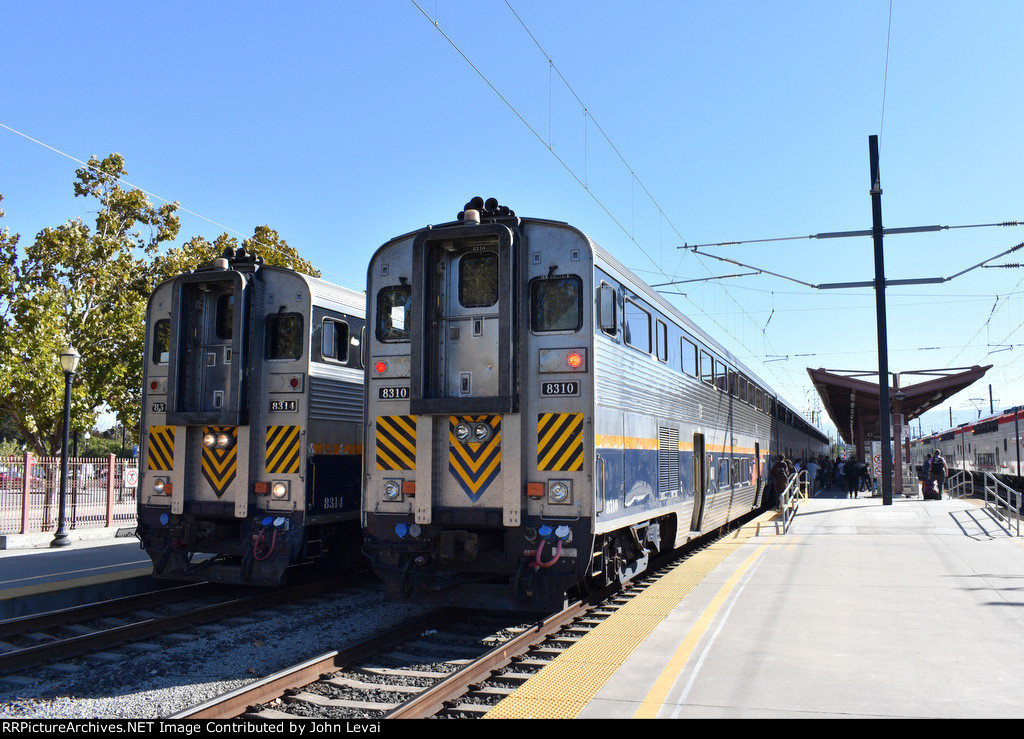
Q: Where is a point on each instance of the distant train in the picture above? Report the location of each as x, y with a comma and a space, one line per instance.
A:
991, 444
251, 423
538, 418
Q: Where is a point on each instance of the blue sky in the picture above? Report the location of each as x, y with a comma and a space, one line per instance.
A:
646, 124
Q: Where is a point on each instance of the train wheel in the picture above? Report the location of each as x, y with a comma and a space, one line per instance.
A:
618, 562
408, 575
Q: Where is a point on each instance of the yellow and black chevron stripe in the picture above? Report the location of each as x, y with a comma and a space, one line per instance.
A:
283, 448
396, 442
219, 465
161, 448
474, 464
560, 442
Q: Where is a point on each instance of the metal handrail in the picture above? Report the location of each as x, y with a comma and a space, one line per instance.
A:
804, 483
959, 484
910, 484
1012, 501
789, 502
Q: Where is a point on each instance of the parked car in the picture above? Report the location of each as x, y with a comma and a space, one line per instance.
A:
11, 479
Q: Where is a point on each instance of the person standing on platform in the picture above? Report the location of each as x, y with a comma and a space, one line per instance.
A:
863, 478
938, 470
852, 478
923, 471
812, 474
777, 474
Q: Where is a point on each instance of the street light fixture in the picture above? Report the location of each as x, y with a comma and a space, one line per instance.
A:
69, 363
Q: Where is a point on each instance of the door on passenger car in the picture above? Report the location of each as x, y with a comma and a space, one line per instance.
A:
699, 481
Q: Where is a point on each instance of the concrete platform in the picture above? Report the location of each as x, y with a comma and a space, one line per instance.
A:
912, 610
99, 564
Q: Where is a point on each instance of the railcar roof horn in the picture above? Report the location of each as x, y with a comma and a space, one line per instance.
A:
484, 209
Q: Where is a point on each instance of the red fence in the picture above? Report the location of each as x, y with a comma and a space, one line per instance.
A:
100, 492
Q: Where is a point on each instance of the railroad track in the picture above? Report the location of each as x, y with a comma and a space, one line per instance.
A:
114, 628
443, 665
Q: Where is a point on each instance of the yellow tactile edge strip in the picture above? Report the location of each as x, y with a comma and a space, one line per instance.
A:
53, 585
564, 687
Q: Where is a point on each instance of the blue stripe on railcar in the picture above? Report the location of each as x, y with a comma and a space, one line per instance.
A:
630, 480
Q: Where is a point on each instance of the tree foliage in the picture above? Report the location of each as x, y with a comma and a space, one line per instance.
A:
265, 243
87, 287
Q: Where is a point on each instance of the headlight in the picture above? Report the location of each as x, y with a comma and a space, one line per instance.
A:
158, 486
392, 490
209, 440
279, 490
223, 441
481, 432
559, 492
462, 432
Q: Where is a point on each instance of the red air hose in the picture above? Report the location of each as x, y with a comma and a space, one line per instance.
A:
537, 564
256, 546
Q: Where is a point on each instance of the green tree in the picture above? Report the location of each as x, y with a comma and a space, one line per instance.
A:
197, 252
88, 287
83, 287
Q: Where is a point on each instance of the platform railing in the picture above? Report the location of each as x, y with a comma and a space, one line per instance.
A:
910, 484
1003, 501
100, 493
959, 484
804, 484
789, 501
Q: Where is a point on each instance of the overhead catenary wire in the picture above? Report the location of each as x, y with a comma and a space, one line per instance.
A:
885, 75
843, 234
866, 283
582, 179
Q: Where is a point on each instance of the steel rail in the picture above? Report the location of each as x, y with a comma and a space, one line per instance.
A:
53, 619
28, 657
433, 699
235, 703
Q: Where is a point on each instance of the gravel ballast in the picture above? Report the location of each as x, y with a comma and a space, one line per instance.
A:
185, 672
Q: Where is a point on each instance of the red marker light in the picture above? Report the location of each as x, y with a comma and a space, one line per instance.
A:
294, 382
154, 385
575, 360
380, 367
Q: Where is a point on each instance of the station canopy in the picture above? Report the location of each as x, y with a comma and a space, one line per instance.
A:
851, 397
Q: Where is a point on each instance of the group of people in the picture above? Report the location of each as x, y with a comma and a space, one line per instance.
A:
935, 470
848, 475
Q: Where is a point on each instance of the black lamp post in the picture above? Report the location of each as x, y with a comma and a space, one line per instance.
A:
69, 362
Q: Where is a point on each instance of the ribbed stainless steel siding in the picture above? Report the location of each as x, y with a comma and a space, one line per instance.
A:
334, 400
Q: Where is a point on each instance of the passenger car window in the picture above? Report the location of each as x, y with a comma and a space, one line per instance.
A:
284, 336
689, 352
478, 280
662, 338
394, 305
606, 306
707, 368
225, 316
556, 304
636, 324
721, 376
161, 341
334, 340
